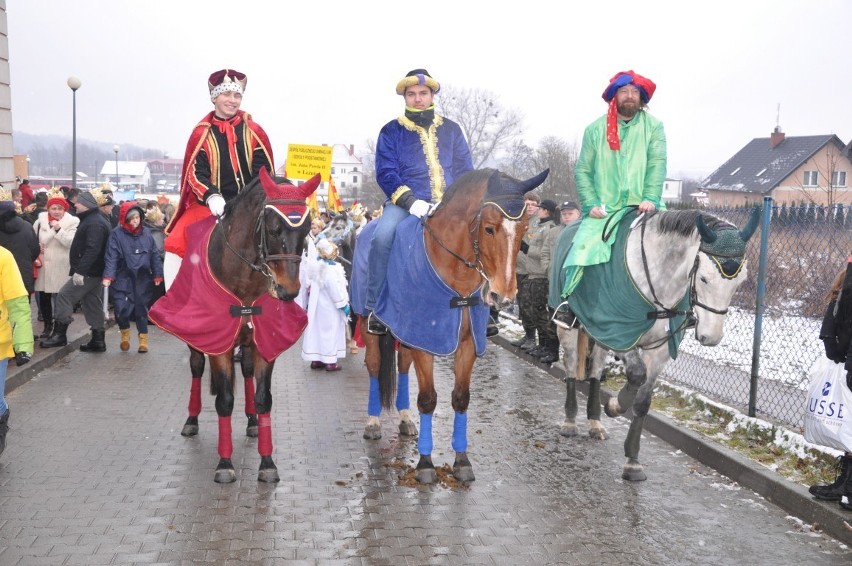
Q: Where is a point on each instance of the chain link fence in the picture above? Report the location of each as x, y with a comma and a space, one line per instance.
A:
807, 246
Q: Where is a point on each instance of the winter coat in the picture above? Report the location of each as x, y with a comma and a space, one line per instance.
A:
17, 236
132, 261
542, 236
89, 244
159, 237
16, 329
55, 260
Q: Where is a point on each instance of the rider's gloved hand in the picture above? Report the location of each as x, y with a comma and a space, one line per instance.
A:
216, 204
420, 208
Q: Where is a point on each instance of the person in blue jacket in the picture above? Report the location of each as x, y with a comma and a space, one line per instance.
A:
418, 156
132, 267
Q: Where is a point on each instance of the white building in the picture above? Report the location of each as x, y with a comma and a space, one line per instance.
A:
131, 174
347, 172
671, 190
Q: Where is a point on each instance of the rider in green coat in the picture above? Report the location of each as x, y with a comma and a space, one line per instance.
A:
622, 163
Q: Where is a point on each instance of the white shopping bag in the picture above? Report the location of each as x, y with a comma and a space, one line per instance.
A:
828, 413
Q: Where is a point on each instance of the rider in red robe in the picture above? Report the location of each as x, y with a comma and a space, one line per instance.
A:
225, 152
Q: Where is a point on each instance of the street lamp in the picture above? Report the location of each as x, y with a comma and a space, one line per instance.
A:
115, 148
74, 83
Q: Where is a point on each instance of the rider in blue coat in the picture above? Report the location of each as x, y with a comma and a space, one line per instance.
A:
132, 269
418, 155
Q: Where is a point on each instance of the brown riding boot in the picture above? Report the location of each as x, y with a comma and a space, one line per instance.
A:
125, 339
143, 343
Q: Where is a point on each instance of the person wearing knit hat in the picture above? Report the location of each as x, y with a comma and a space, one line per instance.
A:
418, 155
225, 152
86, 260
55, 229
621, 168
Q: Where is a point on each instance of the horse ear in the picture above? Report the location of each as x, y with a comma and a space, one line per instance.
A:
751, 225
266, 180
707, 235
308, 187
530, 184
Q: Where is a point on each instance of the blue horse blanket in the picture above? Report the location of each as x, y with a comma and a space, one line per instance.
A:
414, 302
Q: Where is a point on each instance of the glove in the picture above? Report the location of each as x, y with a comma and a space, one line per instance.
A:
22, 358
346, 310
420, 208
216, 204
106, 282
79, 280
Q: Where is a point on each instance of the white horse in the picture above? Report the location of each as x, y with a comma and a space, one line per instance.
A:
686, 265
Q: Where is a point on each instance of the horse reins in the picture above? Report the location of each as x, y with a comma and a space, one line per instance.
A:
477, 264
263, 254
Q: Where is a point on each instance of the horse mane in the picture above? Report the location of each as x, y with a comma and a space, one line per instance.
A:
243, 195
469, 178
683, 222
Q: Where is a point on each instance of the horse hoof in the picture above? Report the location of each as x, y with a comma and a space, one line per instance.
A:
407, 428
268, 472
426, 475
190, 427
611, 408
633, 471
569, 430
225, 472
598, 435
251, 428
463, 473
372, 432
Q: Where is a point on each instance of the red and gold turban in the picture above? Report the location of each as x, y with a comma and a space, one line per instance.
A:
646, 91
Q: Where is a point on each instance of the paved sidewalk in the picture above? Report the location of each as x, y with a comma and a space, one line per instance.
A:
96, 472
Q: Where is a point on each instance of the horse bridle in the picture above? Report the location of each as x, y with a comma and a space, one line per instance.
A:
477, 263
663, 311
263, 255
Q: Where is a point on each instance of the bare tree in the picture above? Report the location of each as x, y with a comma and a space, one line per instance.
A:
561, 158
487, 125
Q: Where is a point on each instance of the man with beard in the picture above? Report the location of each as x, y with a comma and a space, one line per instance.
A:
622, 164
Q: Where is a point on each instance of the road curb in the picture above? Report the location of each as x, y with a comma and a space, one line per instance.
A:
788, 495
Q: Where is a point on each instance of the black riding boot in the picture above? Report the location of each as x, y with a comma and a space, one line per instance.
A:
834, 491
527, 338
96, 344
58, 337
4, 426
48, 329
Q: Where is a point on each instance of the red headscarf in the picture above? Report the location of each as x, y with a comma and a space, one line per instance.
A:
646, 90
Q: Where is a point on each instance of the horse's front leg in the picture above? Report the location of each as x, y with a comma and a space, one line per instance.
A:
593, 403
427, 399
569, 340
403, 404
462, 368
653, 361
372, 359
267, 472
222, 383
247, 369
196, 366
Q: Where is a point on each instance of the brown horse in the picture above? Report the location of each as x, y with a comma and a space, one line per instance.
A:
252, 253
468, 247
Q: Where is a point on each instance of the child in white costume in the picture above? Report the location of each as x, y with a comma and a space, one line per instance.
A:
324, 283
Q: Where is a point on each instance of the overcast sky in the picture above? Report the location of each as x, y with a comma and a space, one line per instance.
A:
325, 71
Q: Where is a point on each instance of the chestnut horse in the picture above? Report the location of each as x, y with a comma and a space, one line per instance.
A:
252, 253
466, 251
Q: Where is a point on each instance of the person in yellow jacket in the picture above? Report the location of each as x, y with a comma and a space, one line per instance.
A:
622, 164
16, 329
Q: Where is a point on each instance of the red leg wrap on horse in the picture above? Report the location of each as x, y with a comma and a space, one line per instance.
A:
264, 434
226, 447
195, 397
249, 383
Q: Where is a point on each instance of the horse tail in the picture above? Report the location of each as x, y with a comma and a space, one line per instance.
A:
582, 352
387, 369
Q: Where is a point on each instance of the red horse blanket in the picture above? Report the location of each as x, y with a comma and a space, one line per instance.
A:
197, 307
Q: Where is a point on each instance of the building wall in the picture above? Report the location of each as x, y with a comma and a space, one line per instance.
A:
7, 165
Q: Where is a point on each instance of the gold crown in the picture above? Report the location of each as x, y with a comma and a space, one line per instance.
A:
54, 192
5, 194
103, 194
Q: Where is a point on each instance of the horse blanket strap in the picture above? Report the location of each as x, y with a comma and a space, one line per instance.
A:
198, 309
612, 308
417, 305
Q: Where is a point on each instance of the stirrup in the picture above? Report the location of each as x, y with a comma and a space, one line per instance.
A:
375, 326
564, 319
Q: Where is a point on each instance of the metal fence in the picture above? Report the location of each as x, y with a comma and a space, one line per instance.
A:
767, 375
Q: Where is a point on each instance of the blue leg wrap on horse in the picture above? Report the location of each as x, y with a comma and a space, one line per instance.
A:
374, 404
424, 441
402, 402
460, 432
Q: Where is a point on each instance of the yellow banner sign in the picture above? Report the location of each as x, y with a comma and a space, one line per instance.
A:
305, 161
